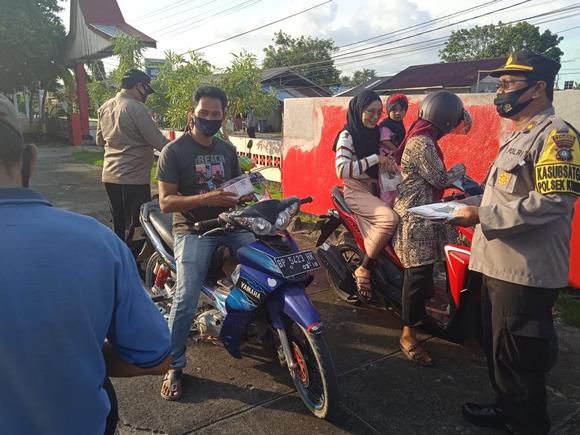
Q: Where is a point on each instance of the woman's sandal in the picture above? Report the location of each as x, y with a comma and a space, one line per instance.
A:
364, 288
417, 354
175, 385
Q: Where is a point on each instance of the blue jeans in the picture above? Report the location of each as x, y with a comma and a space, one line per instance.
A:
192, 257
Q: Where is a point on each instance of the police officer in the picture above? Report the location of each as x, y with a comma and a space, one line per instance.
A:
128, 134
521, 245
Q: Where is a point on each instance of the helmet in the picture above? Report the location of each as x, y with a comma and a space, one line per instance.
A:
443, 109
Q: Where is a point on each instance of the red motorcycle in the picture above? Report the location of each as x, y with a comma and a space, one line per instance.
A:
453, 311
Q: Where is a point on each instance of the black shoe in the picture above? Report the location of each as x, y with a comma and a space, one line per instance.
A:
489, 415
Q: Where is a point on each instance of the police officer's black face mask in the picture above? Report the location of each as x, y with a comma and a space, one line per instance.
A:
507, 104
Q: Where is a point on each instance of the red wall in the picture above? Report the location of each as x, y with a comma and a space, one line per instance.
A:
312, 172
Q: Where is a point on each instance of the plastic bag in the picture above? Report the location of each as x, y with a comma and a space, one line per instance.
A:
388, 186
389, 181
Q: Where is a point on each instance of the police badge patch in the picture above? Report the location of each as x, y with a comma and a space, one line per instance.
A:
504, 178
564, 140
564, 155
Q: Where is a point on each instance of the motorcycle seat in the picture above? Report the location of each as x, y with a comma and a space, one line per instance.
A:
163, 222
339, 197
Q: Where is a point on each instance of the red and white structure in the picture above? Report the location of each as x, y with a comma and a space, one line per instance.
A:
93, 25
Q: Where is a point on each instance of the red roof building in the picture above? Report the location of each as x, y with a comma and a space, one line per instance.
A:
93, 25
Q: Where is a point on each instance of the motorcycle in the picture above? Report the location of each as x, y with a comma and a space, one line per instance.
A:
453, 311
264, 299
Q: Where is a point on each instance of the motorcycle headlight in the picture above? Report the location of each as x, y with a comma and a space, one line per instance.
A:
257, 225
285, 216
283, 220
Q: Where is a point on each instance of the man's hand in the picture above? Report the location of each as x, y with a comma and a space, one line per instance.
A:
465, 217
220, 198
247, 198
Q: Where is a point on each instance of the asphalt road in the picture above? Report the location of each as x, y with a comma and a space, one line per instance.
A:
380, 391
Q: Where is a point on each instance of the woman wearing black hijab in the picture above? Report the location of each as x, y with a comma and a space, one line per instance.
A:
357, 163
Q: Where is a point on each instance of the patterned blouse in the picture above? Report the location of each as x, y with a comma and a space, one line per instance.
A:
347, 163
419, 242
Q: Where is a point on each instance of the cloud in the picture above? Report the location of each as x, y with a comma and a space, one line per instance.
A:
342, 21
345, 21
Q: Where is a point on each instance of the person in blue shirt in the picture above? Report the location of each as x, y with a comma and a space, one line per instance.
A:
73, 308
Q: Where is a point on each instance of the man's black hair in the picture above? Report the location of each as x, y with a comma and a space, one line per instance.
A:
211, 92
11, 145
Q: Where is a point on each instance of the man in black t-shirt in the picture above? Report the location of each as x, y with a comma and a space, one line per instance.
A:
190, 171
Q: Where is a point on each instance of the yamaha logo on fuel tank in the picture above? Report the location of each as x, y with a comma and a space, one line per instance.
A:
248, 290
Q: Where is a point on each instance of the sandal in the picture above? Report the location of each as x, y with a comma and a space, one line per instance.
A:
417, 354
175, 386
364, 288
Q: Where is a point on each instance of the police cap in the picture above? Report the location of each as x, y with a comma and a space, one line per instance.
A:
134, 76
529, 64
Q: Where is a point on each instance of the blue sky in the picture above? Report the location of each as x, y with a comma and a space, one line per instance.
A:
180, 25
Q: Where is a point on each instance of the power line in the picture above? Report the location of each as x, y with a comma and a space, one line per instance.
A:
263, 26
424, 23
354, 53
356, 58
188, 25
435, 29
155, 18
558, 11
155, 11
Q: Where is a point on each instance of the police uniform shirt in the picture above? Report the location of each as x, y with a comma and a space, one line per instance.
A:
128, 134
528, 205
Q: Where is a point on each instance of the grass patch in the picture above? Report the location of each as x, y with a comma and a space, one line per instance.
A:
90, 157
569, 307
274, 188
95, 158
309, 219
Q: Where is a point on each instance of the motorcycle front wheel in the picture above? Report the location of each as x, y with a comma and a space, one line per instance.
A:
314, 378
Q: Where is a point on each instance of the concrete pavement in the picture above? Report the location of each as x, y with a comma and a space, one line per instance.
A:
380, 391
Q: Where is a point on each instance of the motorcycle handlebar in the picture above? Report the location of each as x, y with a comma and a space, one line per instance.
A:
306, 200
207, 225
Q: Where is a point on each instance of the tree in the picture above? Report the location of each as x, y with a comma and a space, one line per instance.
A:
484, 42
31, 38
102, 87
180, 76
241, 82
358, 77
177, 80
311, 57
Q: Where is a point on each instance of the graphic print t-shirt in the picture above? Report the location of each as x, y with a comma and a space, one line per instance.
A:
197, 169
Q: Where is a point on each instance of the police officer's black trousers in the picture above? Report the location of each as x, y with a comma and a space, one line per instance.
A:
125, 202
521, 347
417, 286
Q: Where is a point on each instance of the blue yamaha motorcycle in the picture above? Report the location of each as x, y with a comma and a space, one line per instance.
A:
263, 299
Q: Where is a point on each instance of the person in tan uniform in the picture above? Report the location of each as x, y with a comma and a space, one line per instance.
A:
129, 135
521, 244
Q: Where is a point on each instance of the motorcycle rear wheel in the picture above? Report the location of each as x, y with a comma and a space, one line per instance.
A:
352, 257
315, 378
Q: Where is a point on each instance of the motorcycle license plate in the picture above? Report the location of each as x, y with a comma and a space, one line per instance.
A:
297, 263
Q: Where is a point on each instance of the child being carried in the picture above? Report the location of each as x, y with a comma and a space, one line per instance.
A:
393, 133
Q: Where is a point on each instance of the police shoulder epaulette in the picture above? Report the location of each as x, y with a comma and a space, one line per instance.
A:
559, 124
